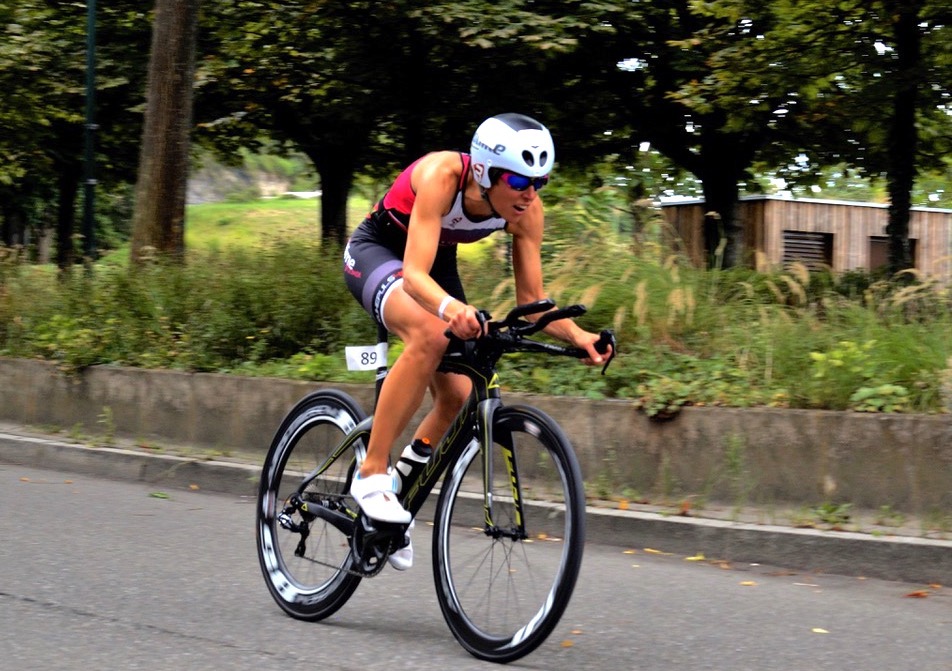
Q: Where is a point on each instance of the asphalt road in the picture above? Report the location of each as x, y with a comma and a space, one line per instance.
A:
98, 574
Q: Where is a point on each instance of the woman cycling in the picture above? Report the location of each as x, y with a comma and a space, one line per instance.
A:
400, 264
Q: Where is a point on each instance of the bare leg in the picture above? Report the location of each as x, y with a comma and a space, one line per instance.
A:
408, 379
449, 392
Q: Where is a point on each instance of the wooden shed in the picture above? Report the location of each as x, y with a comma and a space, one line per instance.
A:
841, 234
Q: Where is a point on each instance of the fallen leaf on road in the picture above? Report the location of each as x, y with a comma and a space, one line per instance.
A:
630, 552
749, 583
919, 594
567, 644
698, 557
652, 551
817, 630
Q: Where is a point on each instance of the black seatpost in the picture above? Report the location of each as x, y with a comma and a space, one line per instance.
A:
383, 337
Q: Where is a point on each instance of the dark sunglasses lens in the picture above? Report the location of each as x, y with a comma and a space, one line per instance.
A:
517, 182
521, 183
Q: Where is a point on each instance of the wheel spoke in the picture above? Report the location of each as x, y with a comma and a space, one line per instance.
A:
503, 592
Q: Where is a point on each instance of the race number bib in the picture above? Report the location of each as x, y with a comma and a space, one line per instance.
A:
369, 357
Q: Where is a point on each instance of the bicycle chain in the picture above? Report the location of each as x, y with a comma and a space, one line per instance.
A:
348, 571
359, 574
351, 555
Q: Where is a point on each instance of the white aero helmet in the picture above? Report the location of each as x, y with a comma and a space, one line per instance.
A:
511, 142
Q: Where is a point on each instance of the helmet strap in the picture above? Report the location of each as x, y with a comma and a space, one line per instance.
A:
484, 192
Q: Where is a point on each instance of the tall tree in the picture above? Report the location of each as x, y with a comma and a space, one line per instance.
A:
42, 57
413, 78
159, 216
866, 82
912, 46
903, 136
307, 74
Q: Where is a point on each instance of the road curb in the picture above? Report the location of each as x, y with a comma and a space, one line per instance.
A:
907, 559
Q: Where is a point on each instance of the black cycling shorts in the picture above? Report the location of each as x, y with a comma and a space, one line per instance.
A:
373, 265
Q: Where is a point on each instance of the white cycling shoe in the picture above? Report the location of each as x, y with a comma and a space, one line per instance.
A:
402, 559
376, 496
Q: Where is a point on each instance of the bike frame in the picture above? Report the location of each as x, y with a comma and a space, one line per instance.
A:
475, 359
473, 424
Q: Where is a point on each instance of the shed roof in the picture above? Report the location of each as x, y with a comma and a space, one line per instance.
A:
817, 201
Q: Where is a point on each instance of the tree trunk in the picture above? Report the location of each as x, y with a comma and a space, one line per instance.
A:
335, 188
6, 224
68, 183
334, 165
720, 168
723, 236
13, 221
158, 223
903, 135
415, 96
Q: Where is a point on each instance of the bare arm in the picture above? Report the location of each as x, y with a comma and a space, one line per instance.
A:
435, 181
527, 267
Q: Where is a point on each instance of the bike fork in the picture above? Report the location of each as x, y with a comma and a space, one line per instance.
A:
505, 444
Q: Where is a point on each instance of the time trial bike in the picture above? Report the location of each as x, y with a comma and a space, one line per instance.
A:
509, 522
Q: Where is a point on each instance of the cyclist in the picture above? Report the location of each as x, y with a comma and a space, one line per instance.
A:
400, 264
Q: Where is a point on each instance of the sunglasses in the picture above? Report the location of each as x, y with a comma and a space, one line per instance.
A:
521, 182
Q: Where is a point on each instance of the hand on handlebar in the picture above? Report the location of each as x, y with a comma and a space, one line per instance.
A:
606, 347
599, 349
468, 323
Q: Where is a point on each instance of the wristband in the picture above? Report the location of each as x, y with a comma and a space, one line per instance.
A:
443, 305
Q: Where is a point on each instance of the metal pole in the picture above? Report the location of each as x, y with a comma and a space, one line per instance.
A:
89, 204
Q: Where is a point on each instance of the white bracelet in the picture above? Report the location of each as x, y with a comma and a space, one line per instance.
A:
446, 301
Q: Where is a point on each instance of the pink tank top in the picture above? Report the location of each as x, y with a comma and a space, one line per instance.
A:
457, 225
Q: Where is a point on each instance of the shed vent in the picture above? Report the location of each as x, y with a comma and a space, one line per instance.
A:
814, 250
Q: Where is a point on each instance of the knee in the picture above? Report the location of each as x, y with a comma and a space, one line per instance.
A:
449, 400
426, 345
450, 392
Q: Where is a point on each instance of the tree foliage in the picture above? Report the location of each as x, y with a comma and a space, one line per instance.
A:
310, 74
42, 74
866, 83
721, 89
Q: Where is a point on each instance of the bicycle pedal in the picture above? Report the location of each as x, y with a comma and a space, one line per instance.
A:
372, 541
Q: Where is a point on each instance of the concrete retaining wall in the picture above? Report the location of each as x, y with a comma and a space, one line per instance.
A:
737, 456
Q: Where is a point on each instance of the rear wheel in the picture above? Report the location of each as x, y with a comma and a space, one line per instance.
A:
302, 540
503, 591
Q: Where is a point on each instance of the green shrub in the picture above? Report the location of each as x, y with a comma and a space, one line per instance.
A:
272, 302
219, 311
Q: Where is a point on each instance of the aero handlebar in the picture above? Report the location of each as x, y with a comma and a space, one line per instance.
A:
511, 334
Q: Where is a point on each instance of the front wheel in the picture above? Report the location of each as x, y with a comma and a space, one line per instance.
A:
505, 576
306, 558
